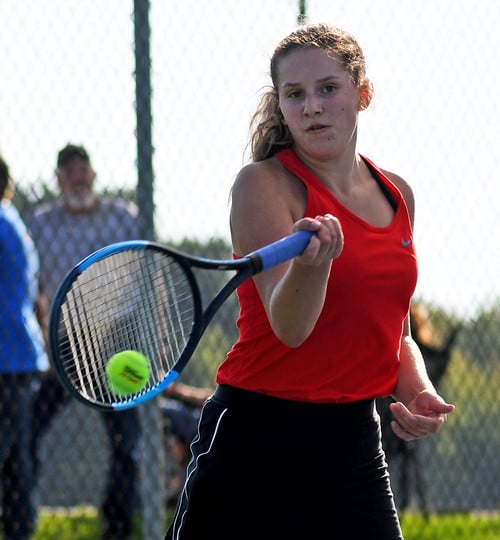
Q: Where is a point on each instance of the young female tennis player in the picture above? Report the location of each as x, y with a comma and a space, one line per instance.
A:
289, 445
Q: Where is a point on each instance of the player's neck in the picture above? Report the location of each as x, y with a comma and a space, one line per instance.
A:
340, 174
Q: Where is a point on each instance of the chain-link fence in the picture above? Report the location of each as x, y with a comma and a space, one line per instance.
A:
161, 93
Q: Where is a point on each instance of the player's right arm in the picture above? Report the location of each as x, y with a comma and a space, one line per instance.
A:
268, 203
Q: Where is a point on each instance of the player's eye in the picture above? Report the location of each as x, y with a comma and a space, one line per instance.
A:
329, 88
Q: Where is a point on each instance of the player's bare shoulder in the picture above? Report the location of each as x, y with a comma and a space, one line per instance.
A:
269, 180
267, 174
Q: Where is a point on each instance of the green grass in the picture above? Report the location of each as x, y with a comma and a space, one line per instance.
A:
82, 523
451, 527
78, 523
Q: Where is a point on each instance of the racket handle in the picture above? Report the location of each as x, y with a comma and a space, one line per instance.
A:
284, 249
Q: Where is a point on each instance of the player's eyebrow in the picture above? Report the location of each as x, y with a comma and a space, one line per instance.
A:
288, 84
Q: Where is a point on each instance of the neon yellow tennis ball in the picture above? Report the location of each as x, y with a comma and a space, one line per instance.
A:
127, 372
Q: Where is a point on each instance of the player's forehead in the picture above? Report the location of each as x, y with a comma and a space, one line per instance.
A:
309, 63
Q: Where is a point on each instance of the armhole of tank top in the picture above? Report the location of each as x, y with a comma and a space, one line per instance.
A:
385, 190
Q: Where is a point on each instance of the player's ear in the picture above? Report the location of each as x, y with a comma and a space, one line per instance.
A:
365, 95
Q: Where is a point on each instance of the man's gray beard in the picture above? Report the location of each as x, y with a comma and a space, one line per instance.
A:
81, 203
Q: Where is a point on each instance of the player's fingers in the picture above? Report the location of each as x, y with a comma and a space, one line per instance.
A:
327, 242
402, 433
444, 408
417, 426
418, 429
409, 426
331, 235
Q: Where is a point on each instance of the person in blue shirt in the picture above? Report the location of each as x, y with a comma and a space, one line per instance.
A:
22, 358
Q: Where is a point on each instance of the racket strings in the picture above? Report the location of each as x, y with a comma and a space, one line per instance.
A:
140, 299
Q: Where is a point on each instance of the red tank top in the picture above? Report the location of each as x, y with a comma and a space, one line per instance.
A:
353, 351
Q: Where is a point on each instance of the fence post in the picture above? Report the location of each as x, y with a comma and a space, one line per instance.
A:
153, 454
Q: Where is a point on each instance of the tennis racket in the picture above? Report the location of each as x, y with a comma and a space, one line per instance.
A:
141, 296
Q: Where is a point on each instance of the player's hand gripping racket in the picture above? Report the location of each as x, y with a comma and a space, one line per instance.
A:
144, 297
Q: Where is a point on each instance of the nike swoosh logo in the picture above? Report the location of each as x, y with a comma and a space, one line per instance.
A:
405, 243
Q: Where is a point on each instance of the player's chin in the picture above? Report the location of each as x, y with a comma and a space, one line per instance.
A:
321, 149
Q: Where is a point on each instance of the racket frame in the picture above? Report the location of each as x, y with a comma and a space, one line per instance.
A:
244, 267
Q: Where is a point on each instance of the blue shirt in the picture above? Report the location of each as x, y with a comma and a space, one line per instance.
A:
22, 348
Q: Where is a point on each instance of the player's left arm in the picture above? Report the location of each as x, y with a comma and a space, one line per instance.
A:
419, 410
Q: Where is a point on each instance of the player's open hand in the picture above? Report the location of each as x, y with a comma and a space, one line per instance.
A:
421, 417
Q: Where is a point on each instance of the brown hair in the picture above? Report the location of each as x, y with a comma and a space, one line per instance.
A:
4, 176
269, 134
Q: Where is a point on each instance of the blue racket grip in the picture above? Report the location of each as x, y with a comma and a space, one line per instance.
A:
284, 249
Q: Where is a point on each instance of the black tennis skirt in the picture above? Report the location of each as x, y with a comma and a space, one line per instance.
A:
266, 468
